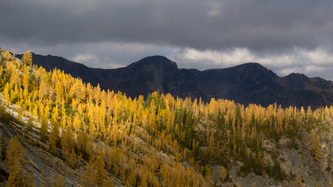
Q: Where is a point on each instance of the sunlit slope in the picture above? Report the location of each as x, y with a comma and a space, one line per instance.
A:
167, 141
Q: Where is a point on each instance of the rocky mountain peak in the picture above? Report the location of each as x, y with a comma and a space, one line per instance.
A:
158, 61
255, 68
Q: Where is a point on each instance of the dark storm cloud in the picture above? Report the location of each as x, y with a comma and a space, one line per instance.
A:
286, 35
253, 24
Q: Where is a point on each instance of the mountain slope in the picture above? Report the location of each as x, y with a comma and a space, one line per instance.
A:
106, 137
75, 69
247, 83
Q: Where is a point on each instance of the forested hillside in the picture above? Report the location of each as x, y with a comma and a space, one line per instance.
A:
107, 138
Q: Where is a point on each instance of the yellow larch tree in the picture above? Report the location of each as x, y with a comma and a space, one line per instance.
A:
20, 174
27, 58
95, 174
223, 174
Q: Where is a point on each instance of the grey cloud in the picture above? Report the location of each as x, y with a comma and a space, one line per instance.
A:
254, 24
119, 32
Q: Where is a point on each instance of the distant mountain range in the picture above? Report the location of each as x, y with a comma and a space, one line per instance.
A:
247, 83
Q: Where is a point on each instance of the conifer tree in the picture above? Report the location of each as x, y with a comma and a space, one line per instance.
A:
95, 174
299, 182
27, 58
67, 144
6, 94
43, 128
223, 174
20, 174
60, 182
314, 145
53, 139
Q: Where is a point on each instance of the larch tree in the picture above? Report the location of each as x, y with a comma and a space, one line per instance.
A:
67, 143
317, 152
60, 182
27, 58
314, 145
223, 174
6, 94
299, 182
43, 128
95, 174
20, 174
73, 160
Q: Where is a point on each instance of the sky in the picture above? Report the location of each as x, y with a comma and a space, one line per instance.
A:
286, 36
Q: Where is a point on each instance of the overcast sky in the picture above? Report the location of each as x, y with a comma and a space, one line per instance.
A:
284, 35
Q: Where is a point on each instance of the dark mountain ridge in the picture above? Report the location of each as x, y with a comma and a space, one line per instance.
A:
246, 83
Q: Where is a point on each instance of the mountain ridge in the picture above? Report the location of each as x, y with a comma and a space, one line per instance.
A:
246, 83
